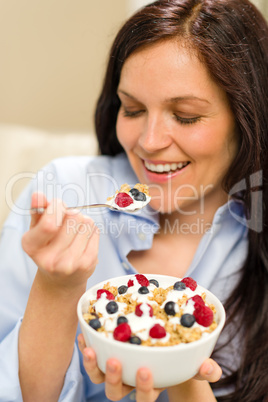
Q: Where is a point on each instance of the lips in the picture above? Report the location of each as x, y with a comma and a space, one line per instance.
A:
165, 168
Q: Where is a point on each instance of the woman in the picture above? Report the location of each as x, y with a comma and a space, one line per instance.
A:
183, 109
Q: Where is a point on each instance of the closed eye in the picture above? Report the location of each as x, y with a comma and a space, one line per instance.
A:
188, 120
134, 113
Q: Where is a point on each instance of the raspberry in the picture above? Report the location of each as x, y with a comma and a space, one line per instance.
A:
123, 200
197, 300
122, 332
143, 281
203, 315
190, 283
130, 283
157, 331
139, 312
109, 295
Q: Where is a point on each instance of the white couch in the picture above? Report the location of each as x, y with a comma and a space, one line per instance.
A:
27, 149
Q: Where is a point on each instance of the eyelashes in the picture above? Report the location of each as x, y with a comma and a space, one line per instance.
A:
181, 120
190, 120
136, 113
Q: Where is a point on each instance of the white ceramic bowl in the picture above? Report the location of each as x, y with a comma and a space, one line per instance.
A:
170, 365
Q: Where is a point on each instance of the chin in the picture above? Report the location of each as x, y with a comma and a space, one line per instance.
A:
162, 207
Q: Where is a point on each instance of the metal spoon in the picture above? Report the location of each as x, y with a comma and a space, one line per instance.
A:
41, 210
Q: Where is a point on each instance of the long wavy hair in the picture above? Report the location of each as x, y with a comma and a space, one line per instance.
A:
231, 37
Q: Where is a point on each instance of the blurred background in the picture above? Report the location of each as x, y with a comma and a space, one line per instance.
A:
53, 55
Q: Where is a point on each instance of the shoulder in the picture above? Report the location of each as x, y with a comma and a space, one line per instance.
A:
70, 166
96, 171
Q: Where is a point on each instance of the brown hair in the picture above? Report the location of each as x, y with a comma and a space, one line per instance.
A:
231, 37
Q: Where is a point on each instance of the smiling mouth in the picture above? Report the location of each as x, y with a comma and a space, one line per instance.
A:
165, 167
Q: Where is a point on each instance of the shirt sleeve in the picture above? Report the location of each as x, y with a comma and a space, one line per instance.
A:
17, 272
73, 388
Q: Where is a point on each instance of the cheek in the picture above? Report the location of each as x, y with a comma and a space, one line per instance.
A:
213, 143
123, 133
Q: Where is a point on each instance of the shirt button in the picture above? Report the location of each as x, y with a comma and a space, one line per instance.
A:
125, 265
142, 236
132, 396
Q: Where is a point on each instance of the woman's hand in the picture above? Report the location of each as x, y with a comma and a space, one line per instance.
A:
63, 243
116, 390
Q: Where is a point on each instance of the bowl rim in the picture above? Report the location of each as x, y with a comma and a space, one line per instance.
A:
152, 349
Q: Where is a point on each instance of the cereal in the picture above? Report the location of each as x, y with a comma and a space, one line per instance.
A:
156, 316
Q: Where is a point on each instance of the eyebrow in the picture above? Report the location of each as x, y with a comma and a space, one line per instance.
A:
185, 98
177, 99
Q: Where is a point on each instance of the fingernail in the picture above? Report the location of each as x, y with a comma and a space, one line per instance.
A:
111, 367
144, 375
87, 357
209, 369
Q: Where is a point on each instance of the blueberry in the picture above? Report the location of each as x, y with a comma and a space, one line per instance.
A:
187, 320
154, 282
140, 196
95, 323
134, 191
112, 307
121, 320
179, 286
135, 340
143, 290
122, 289
170, 308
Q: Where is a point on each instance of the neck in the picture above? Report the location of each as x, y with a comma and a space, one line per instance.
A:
195, 220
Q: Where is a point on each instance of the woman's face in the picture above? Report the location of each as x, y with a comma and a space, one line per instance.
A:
176, 127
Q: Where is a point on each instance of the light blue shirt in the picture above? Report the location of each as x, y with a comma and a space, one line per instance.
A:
86, 180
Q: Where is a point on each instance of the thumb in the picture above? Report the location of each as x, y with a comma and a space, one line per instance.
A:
38, 201
209, 371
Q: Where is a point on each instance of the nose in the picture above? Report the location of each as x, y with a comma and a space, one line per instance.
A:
156, 133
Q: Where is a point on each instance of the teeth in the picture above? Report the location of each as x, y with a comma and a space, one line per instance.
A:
167, 167
160, 168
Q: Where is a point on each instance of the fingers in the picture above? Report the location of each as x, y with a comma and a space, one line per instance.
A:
61, 240
90, 362
145, 391
75, 235
209, 371
85, 241
44, 227
115, 390
75, 247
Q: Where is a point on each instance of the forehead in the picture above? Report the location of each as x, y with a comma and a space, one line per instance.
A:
170, 67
